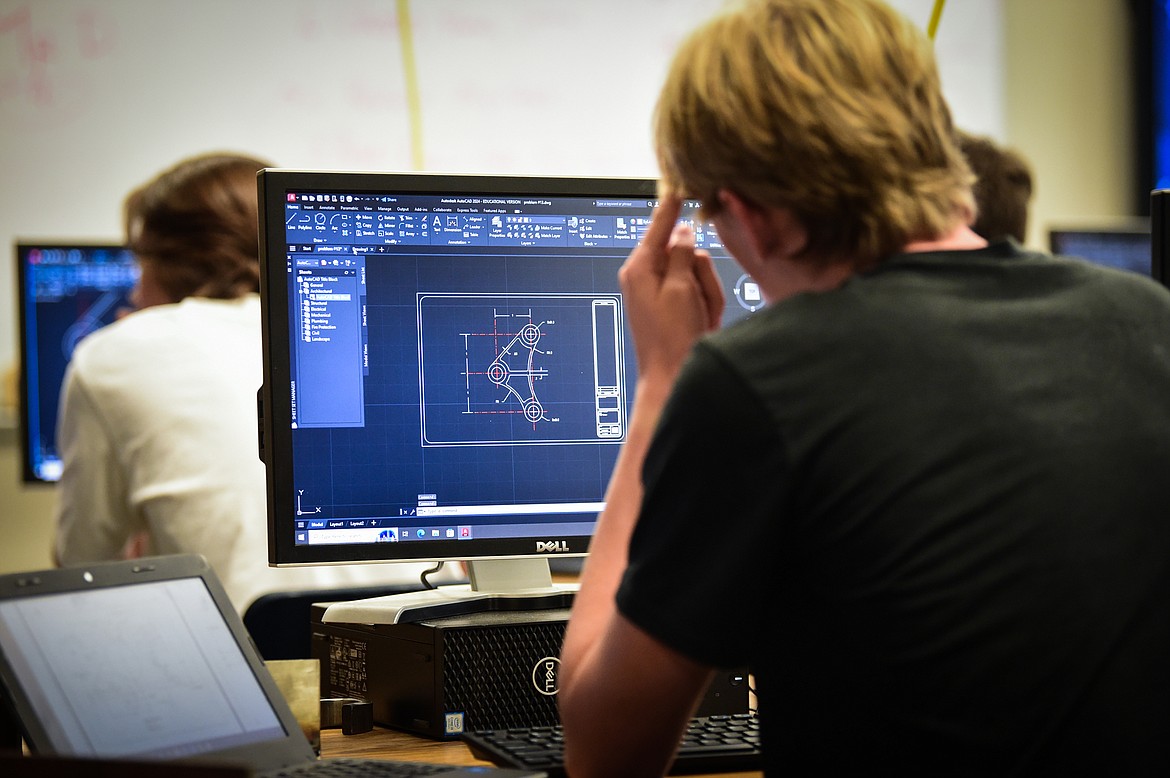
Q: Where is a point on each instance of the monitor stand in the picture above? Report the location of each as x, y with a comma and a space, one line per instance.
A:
496, 585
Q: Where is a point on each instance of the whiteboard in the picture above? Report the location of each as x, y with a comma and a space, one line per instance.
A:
97, 96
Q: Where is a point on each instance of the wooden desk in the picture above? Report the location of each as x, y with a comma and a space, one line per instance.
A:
389, 744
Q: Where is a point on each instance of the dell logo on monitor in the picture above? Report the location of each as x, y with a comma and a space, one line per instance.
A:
552, 546
546, 676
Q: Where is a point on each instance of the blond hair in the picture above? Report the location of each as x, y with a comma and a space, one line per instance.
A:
830, 108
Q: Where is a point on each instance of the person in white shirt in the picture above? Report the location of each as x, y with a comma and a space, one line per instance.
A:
158, 425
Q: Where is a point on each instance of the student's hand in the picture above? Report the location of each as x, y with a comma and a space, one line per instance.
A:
672, 295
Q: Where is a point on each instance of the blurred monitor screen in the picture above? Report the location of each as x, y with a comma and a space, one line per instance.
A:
66, 291
1127, 248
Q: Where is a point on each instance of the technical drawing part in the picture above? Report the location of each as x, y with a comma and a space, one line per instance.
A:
521, 348
87, 322
607, 368
519, 369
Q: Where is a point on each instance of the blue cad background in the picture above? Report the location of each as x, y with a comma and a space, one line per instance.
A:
380, 468
1160, 97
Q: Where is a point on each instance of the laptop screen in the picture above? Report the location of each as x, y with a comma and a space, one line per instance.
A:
147, 670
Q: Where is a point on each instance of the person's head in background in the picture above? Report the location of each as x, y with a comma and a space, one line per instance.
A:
193, 229
1003, 188
830, 109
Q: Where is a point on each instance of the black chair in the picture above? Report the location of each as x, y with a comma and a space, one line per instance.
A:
279, 623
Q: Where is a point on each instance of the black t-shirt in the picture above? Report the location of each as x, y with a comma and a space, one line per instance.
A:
931, 510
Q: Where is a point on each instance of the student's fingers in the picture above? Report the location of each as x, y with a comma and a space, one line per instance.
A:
681, 252
657, 237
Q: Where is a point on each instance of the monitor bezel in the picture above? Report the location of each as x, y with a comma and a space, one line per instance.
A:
275, 406
21, 246
1159, 225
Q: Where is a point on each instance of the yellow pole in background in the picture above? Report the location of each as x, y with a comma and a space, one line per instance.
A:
935, 15
410, 72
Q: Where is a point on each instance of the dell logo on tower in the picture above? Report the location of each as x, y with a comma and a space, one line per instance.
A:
545, 674
552, 546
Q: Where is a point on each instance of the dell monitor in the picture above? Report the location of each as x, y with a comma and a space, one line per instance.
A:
65, 291
1125, 246
448, 370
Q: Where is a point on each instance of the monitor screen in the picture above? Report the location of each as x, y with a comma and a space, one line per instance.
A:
1126, 248
1152, 28
448, 370
66, 292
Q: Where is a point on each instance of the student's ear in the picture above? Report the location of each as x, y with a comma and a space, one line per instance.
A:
769, 231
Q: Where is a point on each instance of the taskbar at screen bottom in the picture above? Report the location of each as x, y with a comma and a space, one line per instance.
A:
325, 535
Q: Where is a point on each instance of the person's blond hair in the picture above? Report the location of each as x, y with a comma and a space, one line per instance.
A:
830, 108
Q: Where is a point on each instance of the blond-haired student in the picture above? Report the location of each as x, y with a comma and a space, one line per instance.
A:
922, 493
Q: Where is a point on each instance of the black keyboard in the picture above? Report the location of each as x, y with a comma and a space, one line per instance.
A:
712, 744
377, 768
343, 768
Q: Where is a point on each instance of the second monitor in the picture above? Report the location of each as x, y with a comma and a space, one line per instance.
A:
66, 291
1123, 246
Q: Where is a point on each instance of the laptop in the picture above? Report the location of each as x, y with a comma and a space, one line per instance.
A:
147, 660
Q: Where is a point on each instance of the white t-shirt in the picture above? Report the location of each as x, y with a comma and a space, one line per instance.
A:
158, 433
